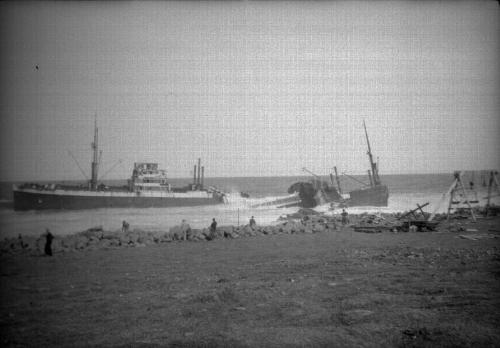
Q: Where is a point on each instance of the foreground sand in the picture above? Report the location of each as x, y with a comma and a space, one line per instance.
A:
334, 288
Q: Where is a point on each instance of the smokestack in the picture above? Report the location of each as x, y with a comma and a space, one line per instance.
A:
199, 169
202, 175
194, 175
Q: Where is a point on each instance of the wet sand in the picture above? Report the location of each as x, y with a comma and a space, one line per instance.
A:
334, 288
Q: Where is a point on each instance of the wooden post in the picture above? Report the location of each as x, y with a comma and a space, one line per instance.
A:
443, 199
420, 208
466, 198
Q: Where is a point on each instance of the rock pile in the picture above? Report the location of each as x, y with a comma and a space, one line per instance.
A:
304, 221
97, 238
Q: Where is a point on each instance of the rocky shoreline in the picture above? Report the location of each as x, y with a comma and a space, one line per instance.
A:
305, 221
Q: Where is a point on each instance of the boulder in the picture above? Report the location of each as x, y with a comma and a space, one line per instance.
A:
268, 230
246, 231
227, 231
111, 234
194, 234
176, 233
318, 228
96, 232
292, 227
106, 243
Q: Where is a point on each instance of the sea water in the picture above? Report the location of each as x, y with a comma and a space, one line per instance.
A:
405, 192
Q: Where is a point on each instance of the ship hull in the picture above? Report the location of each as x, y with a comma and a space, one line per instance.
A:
40, 200
376, 196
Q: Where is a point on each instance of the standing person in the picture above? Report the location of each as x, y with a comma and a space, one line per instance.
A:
252, 222
125, 226
48, 242
344, 217
185, 229
213, 226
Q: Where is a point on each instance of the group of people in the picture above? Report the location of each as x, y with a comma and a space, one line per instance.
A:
185, 229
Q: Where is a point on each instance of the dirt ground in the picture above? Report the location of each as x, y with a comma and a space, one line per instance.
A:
330, 289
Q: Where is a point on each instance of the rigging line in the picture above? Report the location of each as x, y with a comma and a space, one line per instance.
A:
362, 183
110, 169
78, 164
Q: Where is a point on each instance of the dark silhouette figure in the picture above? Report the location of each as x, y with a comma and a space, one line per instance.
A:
344, 217
252, 222
213, 226
125, 226
48, 243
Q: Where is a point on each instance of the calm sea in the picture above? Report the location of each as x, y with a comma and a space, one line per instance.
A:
405, 191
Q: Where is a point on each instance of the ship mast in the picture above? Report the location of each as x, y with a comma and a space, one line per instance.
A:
373, 165
95, 158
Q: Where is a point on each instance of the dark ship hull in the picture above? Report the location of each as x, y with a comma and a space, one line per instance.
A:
73, 200
319, 192
376, 196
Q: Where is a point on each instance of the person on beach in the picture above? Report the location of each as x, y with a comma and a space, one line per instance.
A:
125, 226
252, 222
344, 217
185, 229
213, 226
48, 242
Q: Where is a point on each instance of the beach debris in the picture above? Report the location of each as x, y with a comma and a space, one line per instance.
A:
418, 220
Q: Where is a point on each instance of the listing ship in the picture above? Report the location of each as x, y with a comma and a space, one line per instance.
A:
375, 194
147, 187
318, 192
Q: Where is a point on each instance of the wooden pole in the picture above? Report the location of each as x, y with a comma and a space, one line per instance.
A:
442, 199
466, 198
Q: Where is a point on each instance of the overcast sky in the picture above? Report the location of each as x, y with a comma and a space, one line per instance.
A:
253, 88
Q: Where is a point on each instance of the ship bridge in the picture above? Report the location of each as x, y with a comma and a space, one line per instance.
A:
147, 177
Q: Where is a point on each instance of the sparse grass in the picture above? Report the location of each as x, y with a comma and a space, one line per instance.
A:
322, 290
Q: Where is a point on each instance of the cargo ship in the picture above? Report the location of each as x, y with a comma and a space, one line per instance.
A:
374, 194
318, 192
147, 187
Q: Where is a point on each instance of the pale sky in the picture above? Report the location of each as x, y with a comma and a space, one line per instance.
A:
253, 88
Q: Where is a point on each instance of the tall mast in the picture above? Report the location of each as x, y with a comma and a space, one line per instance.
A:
373, 165
95, 157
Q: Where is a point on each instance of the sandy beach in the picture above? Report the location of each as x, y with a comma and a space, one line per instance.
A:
334, 287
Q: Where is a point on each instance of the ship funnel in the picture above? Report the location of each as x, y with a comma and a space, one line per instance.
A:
202, 176
199, 171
